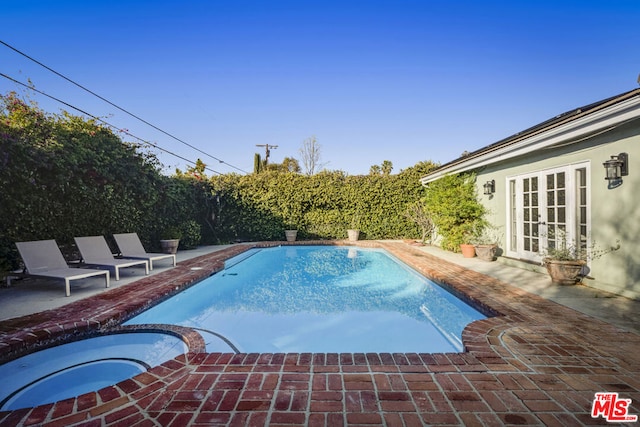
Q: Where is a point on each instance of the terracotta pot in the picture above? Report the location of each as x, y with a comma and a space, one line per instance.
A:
486, 252
564, 272
468, 251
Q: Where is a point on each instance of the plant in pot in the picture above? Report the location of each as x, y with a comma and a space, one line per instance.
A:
353, 233
291, 234
291, 218
470, 232
486, 245
467, 248
566, 263
170, 240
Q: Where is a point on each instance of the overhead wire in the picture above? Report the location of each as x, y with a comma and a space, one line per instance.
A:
118, 107
116, 128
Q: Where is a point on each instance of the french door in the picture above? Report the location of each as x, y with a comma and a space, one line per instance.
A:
548, 209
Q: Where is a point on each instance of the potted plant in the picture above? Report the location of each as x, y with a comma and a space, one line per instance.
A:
470, 230
486, 245
170, 240
468, 250
566, 264
353, 233
292, 218
290, 235
486, 251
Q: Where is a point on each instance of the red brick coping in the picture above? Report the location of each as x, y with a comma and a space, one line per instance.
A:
534, 363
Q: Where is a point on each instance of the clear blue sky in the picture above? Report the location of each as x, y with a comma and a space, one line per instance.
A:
373, 80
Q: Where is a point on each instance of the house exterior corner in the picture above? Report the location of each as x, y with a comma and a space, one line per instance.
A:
550, 187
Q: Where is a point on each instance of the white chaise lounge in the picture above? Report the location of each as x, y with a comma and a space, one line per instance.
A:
95, 251
43, 258
131, 247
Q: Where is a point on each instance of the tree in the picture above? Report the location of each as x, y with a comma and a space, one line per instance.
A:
257, 163
418, 213
384, 169
387, 167
310, 155
196, 171
289, 164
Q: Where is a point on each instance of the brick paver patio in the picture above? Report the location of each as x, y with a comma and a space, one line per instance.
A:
535, 363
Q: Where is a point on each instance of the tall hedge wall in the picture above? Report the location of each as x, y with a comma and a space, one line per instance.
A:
63, 176
261, 206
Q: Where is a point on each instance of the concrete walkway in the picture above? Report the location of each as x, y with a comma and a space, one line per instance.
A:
33, 295
615, 309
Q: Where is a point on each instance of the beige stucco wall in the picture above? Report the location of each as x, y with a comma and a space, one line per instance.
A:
615, 213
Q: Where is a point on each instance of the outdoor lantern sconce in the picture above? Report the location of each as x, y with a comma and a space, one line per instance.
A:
617, 167
489, 187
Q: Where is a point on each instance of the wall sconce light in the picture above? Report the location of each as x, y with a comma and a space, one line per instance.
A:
489, 187
617, 167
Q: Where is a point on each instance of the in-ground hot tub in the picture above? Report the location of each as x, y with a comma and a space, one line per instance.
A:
72, 369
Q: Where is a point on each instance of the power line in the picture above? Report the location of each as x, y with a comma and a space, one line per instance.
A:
119, 108
125, 131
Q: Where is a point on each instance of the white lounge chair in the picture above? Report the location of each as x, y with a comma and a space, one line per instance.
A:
131, 247
43, 258
95, 251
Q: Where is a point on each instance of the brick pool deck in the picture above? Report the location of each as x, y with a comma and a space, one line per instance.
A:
535, 363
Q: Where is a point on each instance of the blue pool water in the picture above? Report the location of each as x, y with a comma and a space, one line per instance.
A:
318, 299
79, 367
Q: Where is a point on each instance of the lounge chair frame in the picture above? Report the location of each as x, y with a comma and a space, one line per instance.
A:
43, 258
94, 250
131, 247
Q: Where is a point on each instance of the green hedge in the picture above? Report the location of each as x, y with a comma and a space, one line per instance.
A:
322, 206
63, 176
457, 214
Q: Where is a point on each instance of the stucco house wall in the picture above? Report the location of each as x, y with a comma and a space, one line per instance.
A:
585, 139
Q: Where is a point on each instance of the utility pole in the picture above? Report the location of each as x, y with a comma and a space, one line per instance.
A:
267, 151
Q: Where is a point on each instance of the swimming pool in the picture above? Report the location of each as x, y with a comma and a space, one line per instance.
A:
71, 369
318, 299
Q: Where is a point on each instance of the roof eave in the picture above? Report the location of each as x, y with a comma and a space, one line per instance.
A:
570, 127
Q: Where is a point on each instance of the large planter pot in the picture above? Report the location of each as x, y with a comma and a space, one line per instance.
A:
486, 252
468, 251
353, 235
564, 272
291, 235
169, 246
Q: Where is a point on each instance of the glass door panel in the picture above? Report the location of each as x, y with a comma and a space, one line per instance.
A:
530, 198
547, 209
556, 220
